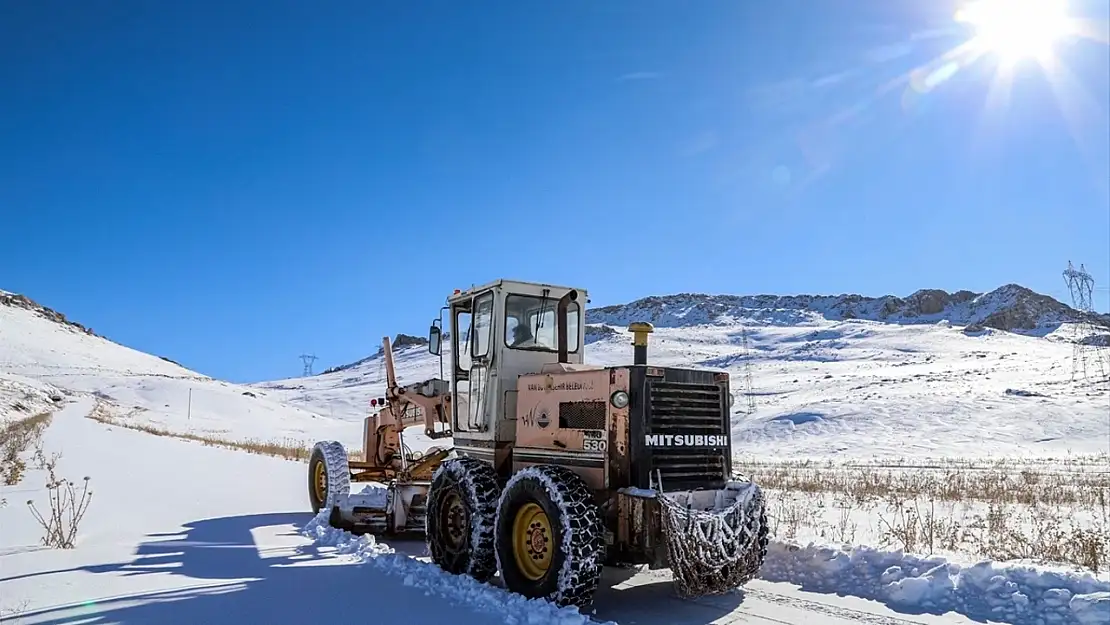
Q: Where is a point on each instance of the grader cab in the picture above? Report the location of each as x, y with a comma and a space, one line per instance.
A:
559, 468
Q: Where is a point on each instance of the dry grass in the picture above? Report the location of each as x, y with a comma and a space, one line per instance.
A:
287, 449
1001, 482
17, 436
67, 507
1031, 513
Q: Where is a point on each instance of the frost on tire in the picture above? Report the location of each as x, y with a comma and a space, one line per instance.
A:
329, 475
462, 507
577, 536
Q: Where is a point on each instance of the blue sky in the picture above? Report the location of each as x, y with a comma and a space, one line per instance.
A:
232, 184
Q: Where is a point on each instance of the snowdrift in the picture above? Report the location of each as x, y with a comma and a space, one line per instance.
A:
984, 591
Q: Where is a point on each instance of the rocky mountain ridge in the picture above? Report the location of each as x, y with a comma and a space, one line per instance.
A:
1011, 307
22, 301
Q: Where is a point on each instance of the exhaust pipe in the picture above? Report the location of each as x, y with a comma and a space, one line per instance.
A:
561, 322
640, 331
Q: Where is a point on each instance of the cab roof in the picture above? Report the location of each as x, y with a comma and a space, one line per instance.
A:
511, 285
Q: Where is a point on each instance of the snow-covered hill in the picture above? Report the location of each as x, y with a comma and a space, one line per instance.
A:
178, 532
1011, 307
932, 374
44, 357
926, 375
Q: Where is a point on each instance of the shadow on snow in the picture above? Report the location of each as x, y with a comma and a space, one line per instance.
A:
234, 580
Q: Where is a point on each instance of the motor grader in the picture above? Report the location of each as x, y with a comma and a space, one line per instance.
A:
558, 468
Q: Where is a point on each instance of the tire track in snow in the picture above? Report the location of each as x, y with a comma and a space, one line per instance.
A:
817, 607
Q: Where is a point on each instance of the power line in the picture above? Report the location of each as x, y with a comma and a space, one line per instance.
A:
747, 355
308, 359
1087, 340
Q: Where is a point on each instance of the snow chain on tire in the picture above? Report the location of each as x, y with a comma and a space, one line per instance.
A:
475, 481
711, 552
581, 544
338, 472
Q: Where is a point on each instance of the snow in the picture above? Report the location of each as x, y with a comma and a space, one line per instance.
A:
827, 388
371, 496
28, 396
1091, 609
985, 590
1027, 311
633, 491
180, 532
38, 355
497, 603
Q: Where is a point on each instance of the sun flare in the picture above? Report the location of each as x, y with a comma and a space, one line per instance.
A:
1017, 29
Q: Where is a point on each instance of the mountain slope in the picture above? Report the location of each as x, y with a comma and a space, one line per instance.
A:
927, 375
831, 376
43, 357
1011, 307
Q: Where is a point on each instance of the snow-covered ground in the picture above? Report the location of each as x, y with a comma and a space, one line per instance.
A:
40, 357
180, 532
833, 388
177, 532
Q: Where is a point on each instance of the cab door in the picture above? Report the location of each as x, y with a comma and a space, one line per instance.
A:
473, 357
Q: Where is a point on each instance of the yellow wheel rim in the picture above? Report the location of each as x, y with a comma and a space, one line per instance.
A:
320, 482
532, 541
455, 521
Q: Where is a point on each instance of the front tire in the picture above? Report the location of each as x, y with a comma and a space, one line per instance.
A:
329, 475
462, 507
550, 541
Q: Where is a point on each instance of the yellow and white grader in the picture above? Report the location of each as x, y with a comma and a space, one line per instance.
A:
556, 468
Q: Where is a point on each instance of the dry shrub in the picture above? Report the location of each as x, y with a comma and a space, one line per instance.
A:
16, 437
1041, 533
13, 614
67, 509
288, 449
920, 528
844, 531
1056, 511
1000, 482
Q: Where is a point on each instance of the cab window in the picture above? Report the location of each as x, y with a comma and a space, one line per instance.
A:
483, 325
531, 324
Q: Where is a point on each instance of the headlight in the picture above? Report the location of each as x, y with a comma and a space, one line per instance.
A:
731, 399
619, 399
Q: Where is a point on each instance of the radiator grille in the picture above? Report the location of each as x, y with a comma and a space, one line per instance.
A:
582, 415
691, 409
678, 408
684, 469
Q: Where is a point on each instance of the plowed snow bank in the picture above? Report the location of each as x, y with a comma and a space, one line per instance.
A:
1016, 594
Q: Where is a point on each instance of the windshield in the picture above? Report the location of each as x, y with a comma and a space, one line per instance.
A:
530, 324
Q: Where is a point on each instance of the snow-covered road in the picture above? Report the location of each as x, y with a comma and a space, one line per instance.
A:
182, 533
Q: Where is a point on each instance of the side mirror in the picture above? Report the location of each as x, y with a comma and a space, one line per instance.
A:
434, 340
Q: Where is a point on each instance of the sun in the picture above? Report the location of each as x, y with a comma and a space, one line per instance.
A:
1017, 29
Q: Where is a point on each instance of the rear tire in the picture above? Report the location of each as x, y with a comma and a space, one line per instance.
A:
462, 508
329, 475
550, 538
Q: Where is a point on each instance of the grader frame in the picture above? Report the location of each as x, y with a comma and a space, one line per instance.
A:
405, 477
